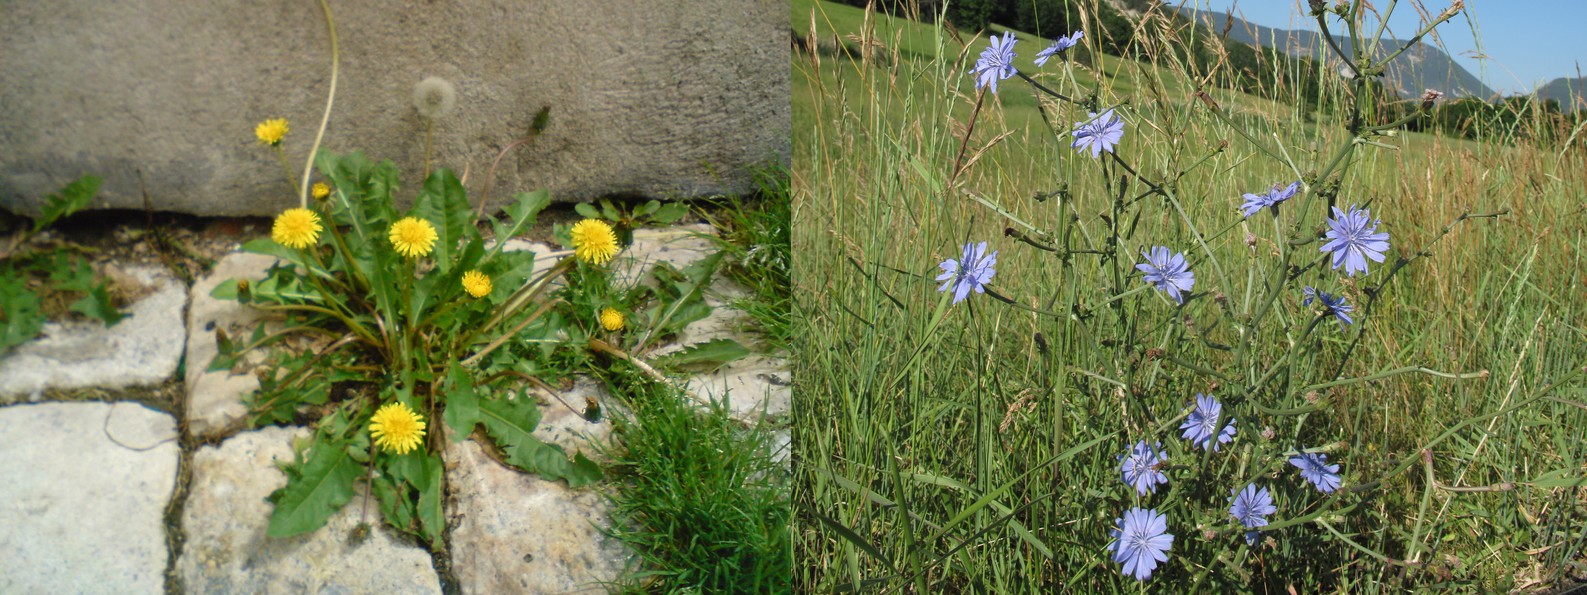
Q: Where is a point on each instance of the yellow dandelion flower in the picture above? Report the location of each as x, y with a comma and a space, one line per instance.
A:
594, 241
611, 319
270, 132
320, 190
296, 228
413, 237
477, 284
396, 428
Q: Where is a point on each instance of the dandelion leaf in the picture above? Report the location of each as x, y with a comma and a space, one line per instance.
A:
444, 204
462, 403
71, 199
315, 490
708, 355
20, 315
96, 304
522, 213
511, 424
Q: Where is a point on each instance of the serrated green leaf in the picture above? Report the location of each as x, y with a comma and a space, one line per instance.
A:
269, 247
395, 504
683, 296
321, 487
70, 199
226, 290
709, 355
583, 472
587, 210
72, 273
511, 424
462, 403
647, 208
521, 214
96, 304
20, 316
444, 204
432, 518
609, 211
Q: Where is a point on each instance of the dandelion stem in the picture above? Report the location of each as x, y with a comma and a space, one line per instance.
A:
325, 120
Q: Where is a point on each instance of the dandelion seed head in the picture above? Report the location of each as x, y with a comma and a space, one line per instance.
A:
434, 97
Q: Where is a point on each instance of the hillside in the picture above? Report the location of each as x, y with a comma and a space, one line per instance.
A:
1570, 93
1423, 67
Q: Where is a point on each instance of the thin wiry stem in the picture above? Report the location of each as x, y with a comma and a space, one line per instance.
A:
330, 99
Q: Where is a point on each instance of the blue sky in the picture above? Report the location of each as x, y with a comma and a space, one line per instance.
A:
1526, 42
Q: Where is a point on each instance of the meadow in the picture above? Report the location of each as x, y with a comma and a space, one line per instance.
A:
975, 446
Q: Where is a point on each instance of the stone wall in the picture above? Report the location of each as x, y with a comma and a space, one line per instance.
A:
664, 99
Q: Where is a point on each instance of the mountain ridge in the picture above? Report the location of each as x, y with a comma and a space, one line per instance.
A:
1422, 67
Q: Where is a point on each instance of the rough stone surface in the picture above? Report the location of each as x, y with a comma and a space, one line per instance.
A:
563, 423
227, 550
679, 245
754, 386
517, 533
665, 99
80, 512
142, 349
215, 398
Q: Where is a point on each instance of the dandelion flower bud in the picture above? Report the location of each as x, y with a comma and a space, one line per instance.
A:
320, 190
611, 319
434, 97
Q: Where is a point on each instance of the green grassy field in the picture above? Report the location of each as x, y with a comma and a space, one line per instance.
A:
974, 447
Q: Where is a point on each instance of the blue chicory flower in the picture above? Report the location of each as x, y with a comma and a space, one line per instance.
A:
1315, 468
1251, 506
1140, 541
1332, 304
1278, 194
1100, 133
1140, 467
1058, 45
1168, 272
996, 62
1201, 426
1352, 241
973, 271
